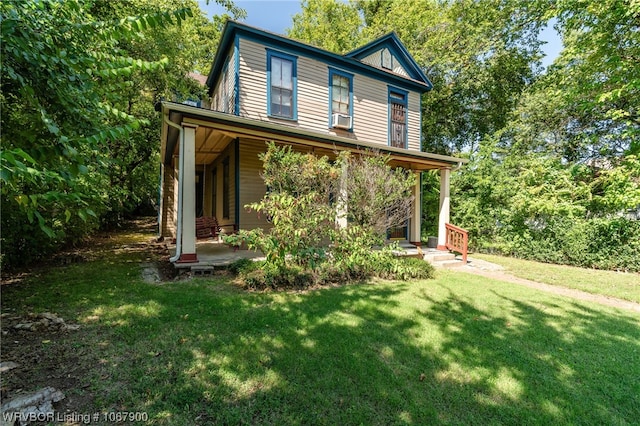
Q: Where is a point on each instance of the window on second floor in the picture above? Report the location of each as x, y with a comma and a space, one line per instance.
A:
224, 89
281, 85
398, 118
340, 99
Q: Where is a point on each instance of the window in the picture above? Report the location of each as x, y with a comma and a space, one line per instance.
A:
214, 193
398, 118
340, 96
281, 82
226, 190
224, 88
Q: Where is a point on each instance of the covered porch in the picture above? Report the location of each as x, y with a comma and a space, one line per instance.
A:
210, 167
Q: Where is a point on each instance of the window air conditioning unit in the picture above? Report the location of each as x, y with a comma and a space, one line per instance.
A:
341, 121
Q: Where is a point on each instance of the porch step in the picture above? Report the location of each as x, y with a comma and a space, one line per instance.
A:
448, 264
439, 256
443, 260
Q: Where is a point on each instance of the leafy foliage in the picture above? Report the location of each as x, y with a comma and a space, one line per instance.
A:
319, 18
79, 82
305, 200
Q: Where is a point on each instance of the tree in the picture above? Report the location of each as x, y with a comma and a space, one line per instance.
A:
305, 199
70, 74
479, 54
598, 74
132, 175
329, 24
377, 197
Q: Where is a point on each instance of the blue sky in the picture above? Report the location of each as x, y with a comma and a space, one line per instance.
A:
276, 16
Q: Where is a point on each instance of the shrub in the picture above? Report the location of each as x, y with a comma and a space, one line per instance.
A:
242, 266
602, 243
403, 269
263, 275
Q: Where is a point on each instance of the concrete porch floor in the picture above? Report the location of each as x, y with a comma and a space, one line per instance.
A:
214, 254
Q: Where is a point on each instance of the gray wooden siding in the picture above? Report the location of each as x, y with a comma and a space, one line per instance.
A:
370, 109
217, 164
217, 99
252, 187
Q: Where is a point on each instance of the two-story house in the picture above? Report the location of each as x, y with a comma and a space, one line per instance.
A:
266, 87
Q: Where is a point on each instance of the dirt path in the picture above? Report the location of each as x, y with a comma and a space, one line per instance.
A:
497, 272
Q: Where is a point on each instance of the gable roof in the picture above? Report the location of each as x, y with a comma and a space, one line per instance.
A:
397, 49
416, 80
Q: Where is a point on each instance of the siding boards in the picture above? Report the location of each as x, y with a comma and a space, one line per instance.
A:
253, 80
169, 199
218, 101
414, 139
229, 152
252, 187
370, 109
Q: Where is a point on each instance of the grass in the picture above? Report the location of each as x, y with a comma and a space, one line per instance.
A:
459, 349
608, 283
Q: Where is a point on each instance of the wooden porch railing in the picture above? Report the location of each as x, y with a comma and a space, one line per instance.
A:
457, 240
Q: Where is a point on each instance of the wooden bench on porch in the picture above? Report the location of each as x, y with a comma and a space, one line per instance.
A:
208, 227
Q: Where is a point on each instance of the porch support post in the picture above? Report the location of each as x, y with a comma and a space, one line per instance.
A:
188, 187
415, 234
341, 205
443, 216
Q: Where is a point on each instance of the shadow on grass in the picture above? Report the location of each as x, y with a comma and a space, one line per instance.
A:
202, 352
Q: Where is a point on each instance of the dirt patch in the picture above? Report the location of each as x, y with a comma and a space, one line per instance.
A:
497, 272
45, 355
47, 350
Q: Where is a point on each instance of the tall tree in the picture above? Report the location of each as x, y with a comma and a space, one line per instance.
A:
66, 77
330, 24
480, 55
134, 158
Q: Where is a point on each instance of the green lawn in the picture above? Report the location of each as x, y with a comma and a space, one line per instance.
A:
459, 349
608, 283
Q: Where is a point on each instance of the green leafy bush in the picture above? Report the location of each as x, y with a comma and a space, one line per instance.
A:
306, 199
263, 275
602, 243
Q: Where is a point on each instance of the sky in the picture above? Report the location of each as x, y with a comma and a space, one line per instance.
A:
276, 16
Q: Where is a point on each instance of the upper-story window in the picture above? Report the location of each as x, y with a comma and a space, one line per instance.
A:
281, 85
340, 99
398, 118
224, 88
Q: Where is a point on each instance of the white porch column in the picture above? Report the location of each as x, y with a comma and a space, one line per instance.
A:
415, 234
188, 188
341, 204
443, 216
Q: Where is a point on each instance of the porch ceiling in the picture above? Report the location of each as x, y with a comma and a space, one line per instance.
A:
216, 130
210, 143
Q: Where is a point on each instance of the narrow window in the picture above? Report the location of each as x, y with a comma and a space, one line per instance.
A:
226, 190
340, 94
340, 99
281, 76
398, 119
224, 89
214, 193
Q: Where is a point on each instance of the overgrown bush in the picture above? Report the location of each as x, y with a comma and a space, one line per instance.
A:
263, 275
307, 197
600, 243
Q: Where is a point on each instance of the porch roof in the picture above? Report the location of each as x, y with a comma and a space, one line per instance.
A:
257, 129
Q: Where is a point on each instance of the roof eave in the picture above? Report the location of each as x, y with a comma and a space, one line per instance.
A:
232, 28
280, 129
